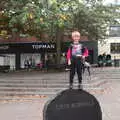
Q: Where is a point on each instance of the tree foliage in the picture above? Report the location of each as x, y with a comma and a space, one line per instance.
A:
31, 17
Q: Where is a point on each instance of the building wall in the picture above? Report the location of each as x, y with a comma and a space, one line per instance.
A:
104, 47
8, 59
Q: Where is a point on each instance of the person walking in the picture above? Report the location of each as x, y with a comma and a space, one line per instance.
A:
75, 54
86, 65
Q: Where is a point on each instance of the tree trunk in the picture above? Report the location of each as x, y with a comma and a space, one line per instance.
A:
15, 36
59, 35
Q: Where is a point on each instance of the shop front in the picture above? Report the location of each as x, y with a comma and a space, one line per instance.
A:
18, 53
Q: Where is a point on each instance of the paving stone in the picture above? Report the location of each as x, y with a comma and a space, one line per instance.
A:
32, 109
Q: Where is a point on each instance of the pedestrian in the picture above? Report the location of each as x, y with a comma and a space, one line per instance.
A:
30, 63
46, 63
75, 54
86, 65
26, 63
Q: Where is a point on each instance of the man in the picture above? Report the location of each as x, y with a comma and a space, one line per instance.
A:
86, 65
76, 53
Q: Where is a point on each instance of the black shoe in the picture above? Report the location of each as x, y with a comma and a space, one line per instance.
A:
71, 86
79, 86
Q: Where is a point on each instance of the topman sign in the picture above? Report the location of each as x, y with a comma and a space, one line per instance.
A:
36, 47
44, 46
4, 47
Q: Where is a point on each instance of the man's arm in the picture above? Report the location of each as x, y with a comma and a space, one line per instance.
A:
69, 56
85, 52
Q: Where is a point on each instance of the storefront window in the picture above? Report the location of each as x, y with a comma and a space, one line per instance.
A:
115, 47
114, 31
33, 59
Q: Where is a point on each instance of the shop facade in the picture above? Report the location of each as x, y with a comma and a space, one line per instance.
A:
111, 45
15, 54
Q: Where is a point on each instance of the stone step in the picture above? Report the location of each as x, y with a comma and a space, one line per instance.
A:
23, 96
111, 78
10, 83
33, 86
59, 80
110, 73
17, 93
44, 82
106, 74
93, 70
42, 88
8, 91
32, 79
52, 84
101, 71
39, 92
38, 81
34, 93
31, 82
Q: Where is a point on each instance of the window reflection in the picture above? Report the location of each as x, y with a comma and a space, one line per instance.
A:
115, 47
114, 31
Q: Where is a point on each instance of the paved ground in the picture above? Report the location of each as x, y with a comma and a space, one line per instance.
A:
37, 83
32, 109
110, 102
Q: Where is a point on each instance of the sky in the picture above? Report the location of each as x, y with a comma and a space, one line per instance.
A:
112, 1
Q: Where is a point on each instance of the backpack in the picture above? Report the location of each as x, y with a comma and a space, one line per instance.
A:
73, 104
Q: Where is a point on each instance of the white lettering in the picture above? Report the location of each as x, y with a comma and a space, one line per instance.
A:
4, 47
52, 46
43, 46
73, 105
48, 46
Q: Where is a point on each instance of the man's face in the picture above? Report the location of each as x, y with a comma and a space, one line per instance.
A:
76, 37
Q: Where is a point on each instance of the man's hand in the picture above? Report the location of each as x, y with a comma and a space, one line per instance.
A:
69, 62
79, 55
83, 57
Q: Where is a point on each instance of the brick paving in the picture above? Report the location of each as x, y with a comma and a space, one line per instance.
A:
32, 109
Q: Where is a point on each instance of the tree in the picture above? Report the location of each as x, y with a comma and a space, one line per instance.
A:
34, 17
93, 19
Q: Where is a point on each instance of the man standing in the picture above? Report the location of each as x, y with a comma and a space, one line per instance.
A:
75, 55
